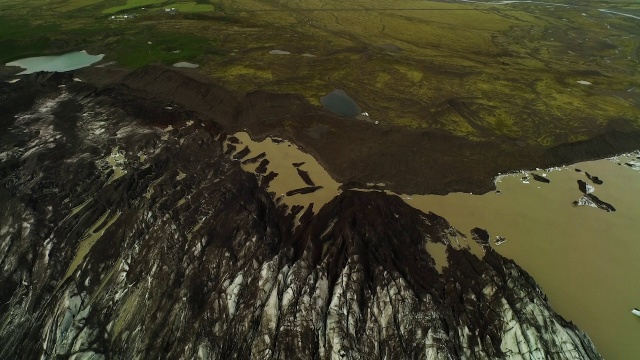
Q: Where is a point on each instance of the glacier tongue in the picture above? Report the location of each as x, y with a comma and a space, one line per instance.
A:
227, 274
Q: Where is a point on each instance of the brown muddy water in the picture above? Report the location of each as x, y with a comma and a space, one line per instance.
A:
585, 259
282, 156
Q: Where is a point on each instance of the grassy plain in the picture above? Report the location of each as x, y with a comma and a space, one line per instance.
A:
481, 71
191, 7
19, 37
182, 6
141, 48
132, 4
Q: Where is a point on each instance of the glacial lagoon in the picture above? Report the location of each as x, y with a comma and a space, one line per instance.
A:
56, 63
584, 258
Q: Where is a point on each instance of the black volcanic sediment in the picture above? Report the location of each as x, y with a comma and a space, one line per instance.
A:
304, 175
540, 178
208, 265
437, 162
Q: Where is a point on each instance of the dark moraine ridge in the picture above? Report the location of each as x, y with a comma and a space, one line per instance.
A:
207, 266
431, 161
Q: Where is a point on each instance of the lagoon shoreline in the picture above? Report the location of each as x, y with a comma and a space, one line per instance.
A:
354, 152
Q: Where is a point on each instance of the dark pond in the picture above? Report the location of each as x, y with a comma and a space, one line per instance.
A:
339, 103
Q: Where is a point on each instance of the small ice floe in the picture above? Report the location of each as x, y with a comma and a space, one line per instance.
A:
589, 189
77, 80
583, 82
377, 122
184, 64
634, 164
499, 240
13, 81
165, 135
106, 64
279, 52
364, 114
308, 55
584, 201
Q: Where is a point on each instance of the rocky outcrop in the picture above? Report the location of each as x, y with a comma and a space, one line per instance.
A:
584, 187
124, 238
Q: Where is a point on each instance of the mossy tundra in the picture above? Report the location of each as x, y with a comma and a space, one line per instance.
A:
541, 74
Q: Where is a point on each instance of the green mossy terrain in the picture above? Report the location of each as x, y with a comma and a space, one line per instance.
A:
478, 70
20, 38
136, 49
131, 5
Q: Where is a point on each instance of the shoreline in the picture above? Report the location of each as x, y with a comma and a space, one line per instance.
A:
577, 254
353, 152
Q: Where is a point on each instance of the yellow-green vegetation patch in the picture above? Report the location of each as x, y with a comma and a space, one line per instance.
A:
132, 4
412, 74
381, 79
191, 7
241, 78
476, 70
240, 70
77, 4
504, 124
407, 122
314, 101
